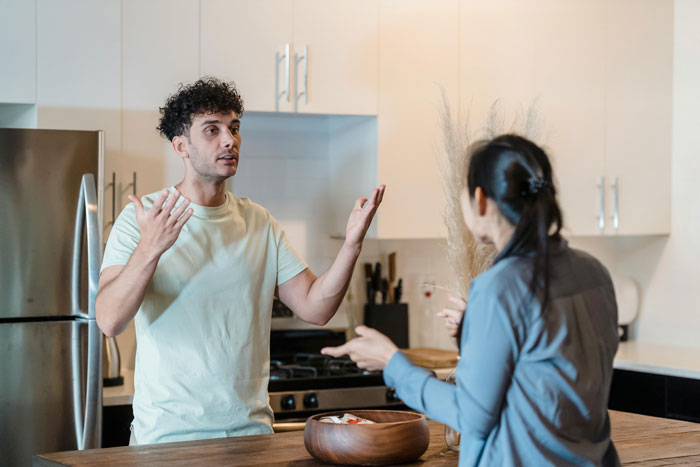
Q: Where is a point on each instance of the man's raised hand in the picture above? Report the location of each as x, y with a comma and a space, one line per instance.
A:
361, 217
161, 225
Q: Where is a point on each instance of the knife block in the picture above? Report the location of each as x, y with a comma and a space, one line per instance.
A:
390, 319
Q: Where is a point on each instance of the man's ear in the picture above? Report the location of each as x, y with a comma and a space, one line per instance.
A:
480, 199
181, 146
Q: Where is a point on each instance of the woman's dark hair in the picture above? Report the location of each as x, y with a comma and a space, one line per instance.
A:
516, 174
206, 95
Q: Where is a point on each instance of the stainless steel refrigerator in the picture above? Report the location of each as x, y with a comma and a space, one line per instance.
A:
50, 252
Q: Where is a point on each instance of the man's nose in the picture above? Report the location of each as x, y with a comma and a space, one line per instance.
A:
227, 139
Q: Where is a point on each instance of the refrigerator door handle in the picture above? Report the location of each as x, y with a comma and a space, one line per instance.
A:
88, 418
87, 216
92, 434
77, 380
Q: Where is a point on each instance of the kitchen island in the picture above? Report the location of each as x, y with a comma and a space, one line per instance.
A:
640, 440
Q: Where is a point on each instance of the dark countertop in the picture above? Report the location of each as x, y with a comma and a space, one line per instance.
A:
640, 440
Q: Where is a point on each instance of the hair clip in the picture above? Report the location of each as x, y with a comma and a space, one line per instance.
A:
536, 185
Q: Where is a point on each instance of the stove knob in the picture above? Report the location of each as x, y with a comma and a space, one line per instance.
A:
310, 400
288, 403
391, 395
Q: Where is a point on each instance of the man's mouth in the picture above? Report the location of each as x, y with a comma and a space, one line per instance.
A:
228, 157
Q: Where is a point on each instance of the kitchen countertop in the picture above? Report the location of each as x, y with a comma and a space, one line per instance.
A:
640, 440
659, 359
635, 356
122, 394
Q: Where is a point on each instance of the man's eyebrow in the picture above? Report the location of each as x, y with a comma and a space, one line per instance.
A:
209, 122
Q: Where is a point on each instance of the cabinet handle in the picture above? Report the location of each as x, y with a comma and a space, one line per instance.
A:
616, 212
132, 184
305, 58
601, 213
287, 71
113, 185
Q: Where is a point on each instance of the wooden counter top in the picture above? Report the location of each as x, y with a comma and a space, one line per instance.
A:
640, 440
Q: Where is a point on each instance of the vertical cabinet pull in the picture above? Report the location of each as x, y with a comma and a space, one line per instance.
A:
305, 58
601, 212
616, 204
287, 72
132, 185
113, 186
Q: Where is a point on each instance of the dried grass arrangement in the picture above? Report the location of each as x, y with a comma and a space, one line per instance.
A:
465, 255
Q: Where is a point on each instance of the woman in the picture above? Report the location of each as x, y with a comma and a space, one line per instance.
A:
538, 336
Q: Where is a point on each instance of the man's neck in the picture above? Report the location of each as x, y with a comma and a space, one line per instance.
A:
203, 193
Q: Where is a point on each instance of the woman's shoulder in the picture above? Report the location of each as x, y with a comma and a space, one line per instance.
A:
507, 282
582, 269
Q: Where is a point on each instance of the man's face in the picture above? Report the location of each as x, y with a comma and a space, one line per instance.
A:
214, 145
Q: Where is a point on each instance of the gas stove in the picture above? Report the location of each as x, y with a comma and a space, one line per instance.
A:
304, 382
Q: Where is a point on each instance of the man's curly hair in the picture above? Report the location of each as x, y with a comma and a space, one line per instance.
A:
206, 95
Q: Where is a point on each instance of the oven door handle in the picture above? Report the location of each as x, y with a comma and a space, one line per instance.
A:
282, 427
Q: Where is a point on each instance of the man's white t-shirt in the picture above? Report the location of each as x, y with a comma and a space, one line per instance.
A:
203, 329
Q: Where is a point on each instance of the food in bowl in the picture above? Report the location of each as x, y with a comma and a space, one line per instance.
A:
346, 419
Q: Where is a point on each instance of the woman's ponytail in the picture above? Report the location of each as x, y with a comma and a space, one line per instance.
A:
516, 174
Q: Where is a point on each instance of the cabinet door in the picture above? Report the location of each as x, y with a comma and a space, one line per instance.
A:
161, 50
419, 46
639, 108
570, 84
17, 52
244, 42
343, 56
497, 66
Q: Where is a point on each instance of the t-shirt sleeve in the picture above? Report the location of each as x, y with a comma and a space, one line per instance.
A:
123, 239
289, 262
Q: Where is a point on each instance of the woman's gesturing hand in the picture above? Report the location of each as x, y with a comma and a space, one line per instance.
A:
161, 225
453, 313
371, 351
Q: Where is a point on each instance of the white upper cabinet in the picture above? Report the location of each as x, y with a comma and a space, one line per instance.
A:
419, 50
639, 113
569, 64
305, 56
496, 66
246, 42
17, 51
605, 93
336, 56
161, 50
78, 54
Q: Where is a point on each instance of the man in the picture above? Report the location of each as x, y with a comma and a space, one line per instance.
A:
197, 268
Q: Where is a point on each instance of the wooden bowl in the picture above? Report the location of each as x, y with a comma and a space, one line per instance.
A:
397, 437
